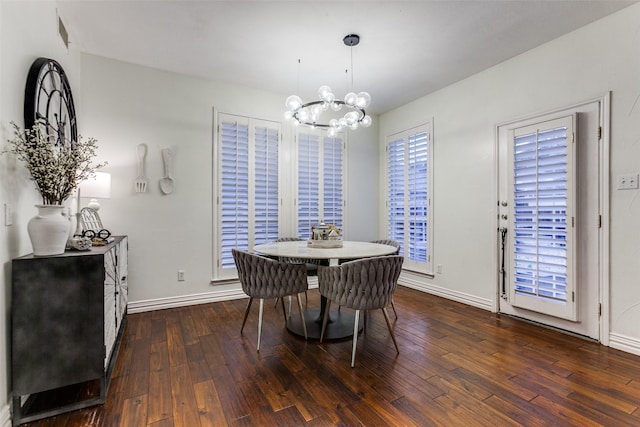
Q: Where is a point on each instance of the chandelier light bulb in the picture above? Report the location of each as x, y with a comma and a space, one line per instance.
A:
353, 126
333, 123
332, 132
303, 115
366, 121
350, 99
351, 117
293, 103
364, 100
335, 106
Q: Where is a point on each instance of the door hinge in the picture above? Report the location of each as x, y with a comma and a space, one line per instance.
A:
573, 221
600, 309
599, 221
573, 296
599, 133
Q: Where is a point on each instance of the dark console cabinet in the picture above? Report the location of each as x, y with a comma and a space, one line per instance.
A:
67, 319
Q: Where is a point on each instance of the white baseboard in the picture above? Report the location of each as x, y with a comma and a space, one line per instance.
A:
624, 343
413, 282
194, 299
184, 300
5, 416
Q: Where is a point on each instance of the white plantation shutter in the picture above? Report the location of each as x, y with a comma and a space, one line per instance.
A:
543, 202
234, 200
308, 183
266, 184
409, 167
248, 185
332, 188
396, 191
418, 197
320, 181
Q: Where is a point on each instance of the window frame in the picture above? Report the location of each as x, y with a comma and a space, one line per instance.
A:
426, 266
220, 271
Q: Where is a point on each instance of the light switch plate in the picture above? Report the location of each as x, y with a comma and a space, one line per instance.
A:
8, 215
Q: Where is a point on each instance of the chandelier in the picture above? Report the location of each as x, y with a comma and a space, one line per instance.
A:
308, 114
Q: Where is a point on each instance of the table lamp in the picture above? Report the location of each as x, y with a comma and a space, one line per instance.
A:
97, 186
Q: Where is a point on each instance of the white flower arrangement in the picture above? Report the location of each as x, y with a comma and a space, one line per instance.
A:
56, 169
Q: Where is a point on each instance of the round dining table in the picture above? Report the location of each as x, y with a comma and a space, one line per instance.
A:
340, 324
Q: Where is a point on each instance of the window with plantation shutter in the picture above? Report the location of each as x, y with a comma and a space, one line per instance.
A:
409, 166
542, 224
247, 186
320, 181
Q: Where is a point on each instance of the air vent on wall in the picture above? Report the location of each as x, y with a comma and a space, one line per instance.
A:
63, 33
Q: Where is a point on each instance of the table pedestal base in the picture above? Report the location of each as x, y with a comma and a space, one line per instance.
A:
340, 324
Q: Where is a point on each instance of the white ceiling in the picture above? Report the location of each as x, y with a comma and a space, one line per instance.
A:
407, 50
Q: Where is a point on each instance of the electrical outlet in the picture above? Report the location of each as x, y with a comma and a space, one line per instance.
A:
628, 182
180, 275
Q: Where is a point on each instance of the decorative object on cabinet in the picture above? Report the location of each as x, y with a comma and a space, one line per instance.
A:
48, 230
62, 347
95, 187
166, 183
92, 227
141, 180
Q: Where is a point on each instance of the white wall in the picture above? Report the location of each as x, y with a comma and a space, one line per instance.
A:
123, 105
586, 64
27, 30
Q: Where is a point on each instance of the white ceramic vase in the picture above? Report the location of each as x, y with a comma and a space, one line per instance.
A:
49, 230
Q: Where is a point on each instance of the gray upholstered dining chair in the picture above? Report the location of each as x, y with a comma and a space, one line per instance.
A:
364, 284
264, 278
387, 242
311, 264
397, 246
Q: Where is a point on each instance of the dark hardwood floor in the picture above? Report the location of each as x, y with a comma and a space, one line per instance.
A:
458, 366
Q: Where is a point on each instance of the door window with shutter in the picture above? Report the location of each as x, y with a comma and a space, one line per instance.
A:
320, 181
247, 178
542, 200
552, 174
409, 209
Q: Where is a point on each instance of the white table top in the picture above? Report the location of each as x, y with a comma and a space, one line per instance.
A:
349, 250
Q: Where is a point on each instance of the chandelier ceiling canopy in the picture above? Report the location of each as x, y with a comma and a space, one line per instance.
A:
308, 113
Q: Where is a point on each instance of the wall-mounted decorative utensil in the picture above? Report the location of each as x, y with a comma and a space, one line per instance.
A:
166, 183
141, 180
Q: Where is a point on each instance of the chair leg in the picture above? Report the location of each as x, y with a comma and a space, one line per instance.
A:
289, 305
304, 325
393, 306
393, 336
260, 322
246, 314
355, 338
284, 313
325, 318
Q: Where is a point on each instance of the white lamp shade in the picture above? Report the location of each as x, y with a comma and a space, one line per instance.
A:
97, 187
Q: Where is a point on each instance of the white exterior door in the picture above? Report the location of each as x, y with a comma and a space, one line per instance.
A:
549, 199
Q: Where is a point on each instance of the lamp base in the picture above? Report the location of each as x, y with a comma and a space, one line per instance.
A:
93, 204
78, 232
